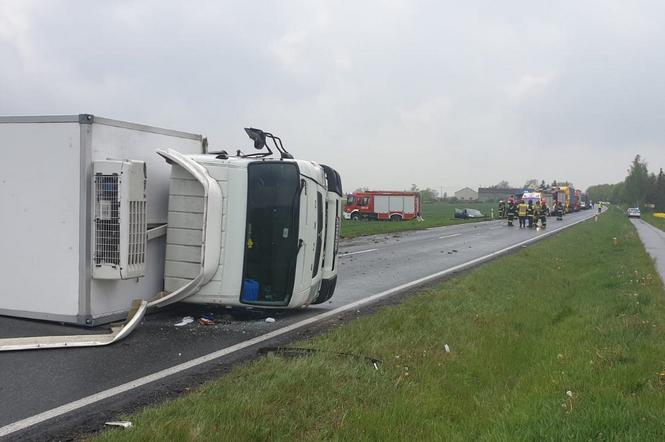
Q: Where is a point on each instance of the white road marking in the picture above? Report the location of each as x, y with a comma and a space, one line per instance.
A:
357, 253
449, 236
78, 404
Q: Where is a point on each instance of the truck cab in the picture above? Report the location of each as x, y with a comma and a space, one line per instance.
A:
246, 231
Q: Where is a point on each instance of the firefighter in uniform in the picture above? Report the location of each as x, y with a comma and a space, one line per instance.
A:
521, 213
559, 211
536, 214
544, 211
502, 209
529, 214
512, 210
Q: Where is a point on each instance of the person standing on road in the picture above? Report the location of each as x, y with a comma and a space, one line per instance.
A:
529, 213
536, 214
600, 207
544, 212
512, 211
559, 211
521, 213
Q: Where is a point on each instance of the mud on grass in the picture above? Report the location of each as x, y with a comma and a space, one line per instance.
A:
564, 339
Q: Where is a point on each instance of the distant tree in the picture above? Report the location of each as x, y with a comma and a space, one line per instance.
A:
652, 191
659, 201
636, 184
362, 189
428, 195
543, 185
445, 195
601, 192
554, 184
501, 185
414, 188
618, 193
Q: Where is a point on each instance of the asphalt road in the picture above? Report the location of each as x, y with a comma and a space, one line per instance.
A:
35, 382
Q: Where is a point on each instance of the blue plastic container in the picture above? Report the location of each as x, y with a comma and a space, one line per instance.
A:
250, 291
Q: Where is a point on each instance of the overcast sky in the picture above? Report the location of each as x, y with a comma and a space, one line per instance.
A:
389, 93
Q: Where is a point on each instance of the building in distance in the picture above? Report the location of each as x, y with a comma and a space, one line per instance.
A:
466, 194
496, 194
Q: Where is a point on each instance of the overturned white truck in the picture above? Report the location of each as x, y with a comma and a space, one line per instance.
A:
103, 218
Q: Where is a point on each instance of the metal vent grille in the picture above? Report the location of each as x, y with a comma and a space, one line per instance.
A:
137, 232
107, 220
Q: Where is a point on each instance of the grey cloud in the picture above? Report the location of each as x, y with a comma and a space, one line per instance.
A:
390, 93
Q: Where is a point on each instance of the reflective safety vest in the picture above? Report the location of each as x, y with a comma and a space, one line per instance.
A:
521, 209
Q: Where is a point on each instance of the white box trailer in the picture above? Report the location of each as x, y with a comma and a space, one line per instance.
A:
84, 209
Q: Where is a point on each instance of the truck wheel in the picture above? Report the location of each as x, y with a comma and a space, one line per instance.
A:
355, 216
395, 218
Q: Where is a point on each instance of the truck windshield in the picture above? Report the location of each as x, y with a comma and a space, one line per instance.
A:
349, 200
271, 235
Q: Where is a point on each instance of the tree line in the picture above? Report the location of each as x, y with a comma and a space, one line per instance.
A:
638, 189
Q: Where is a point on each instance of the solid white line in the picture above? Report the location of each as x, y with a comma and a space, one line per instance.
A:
449, 236
75, 405
356, 253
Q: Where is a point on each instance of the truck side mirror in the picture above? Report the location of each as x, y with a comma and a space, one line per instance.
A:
258, 136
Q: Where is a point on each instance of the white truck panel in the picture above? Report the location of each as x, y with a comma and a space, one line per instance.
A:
40, 199
181, 265
46, 186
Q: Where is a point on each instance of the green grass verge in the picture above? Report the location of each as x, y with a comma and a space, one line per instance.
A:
435, 215
576, 313
657, 222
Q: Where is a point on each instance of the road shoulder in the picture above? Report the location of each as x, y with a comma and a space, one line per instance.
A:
654, 243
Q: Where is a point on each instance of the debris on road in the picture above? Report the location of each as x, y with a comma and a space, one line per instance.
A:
206, 321
186, 320
271, 320
123, 424
446, 348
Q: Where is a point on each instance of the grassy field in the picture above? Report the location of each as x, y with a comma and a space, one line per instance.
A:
539, 356
658, 222
435, 214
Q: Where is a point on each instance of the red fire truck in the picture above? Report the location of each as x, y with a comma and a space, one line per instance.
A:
394, 206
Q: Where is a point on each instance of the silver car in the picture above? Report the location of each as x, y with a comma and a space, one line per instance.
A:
633, 212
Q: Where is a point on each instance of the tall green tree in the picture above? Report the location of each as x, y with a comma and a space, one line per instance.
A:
601, 192
660, 192
428, 195
636, 184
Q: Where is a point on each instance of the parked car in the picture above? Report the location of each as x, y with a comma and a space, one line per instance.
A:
468, 213
633, 212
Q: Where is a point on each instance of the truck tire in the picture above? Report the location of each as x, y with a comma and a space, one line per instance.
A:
355, 216
326, 291
395, 218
